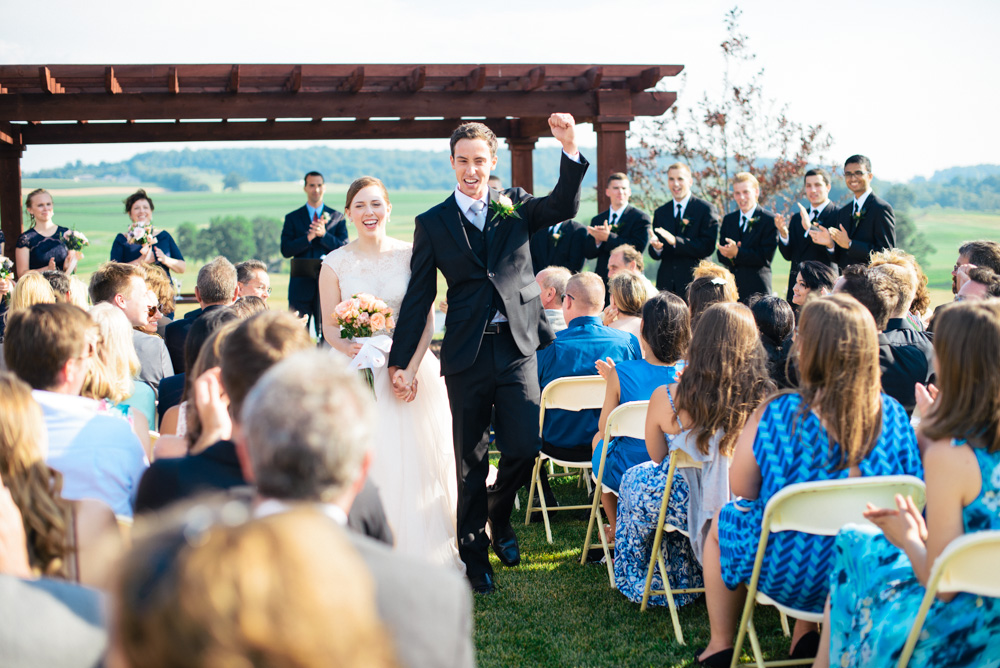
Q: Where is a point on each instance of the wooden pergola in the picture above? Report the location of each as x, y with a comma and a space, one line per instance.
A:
98, 104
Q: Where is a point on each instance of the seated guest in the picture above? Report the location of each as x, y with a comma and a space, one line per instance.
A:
162, 287
252, 280
552, 281
247, 307
980, 253
906, 356
982, 284
311, 442
814, 279
124, 285
878, 577
78, 294
295, 611
30, 289
627, 258
59, 282
707, 290
216, 287
666, 333
628, 294
837, 425
112, 374
702, 414
922, 299
566, 434
50, 346
63, 537
776, 324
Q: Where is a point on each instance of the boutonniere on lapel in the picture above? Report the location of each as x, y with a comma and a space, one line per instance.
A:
684, 224
555, 236
325, 218
856, 217
750, 223
503, 208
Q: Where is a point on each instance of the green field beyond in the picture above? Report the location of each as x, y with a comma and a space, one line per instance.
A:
97, 210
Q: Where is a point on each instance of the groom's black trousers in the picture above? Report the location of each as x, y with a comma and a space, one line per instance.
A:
503, 378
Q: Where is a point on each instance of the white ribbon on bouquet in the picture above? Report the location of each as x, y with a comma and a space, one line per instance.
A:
373, 353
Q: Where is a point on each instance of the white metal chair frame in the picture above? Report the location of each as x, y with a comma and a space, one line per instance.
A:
819, 508
678, 459
571, 393
628, 419
967, 564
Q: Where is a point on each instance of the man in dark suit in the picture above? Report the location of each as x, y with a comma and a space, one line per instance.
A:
686, 230
216, 287
795, 237
311, 232
560, 245
494, 326
748, 239
620, 224
866, 224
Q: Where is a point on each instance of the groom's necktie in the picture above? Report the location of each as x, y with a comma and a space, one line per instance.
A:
478, 214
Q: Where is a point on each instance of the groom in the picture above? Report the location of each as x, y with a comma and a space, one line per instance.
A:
478, 238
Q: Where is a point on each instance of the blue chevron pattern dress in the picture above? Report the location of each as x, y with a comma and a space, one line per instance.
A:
875, 597
792, 447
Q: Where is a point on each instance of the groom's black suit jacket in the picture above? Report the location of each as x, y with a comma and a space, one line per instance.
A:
694, 243
440, 242
294, 243
752, 264
800, 247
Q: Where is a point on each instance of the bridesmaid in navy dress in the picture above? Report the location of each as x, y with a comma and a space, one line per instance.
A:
163, 252
40, 247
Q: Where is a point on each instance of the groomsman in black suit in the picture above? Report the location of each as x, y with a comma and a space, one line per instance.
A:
560, 245
620, 224
311, 232
686, 230
795, 237
748, 239
866, 224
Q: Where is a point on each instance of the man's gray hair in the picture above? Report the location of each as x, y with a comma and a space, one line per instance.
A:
217, 281
308, 424
554, 277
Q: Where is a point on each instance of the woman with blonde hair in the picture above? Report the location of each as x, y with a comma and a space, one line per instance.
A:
66, 539
922, 300
627, 292
837, 424
212, 587
30, 289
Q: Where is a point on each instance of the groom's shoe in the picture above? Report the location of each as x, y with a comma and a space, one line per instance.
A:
504, 542
482, 583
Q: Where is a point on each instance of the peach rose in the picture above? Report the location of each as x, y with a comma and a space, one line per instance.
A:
377, 322
390, 323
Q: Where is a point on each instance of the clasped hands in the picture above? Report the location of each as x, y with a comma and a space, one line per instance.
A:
404, 383
317, 229
730, 248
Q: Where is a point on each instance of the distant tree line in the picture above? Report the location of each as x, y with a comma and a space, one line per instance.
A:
234, 237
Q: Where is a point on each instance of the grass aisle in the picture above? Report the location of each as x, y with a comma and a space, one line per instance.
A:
551, 611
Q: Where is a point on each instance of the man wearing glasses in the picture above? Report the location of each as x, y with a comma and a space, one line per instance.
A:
865, 224
252, 280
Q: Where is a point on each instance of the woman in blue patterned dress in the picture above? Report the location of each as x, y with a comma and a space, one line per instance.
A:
836, 425
40, 247
666, 333
703, 414
878, 579
163, 252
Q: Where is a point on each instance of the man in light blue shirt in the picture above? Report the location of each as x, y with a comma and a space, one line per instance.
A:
51, 347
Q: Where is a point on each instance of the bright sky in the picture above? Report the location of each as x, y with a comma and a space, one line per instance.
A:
912, 85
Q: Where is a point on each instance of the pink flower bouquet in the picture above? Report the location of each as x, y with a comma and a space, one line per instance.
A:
74, 241
140, 234
362, 315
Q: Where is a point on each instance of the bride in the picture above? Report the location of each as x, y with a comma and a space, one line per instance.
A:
414, 463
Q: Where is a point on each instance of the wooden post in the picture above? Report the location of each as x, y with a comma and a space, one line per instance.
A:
614, 116
522, 173
10, 196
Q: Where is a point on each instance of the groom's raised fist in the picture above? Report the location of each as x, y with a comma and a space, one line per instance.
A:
563, 128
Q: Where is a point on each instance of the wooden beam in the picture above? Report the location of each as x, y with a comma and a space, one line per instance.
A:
611, 155
110, 82
522, 174
355, 82
533, 80
645, 79
294, 83
173, 82
476, 80
3, 90
48, 83
10, 196
10, 135
590, 79
234, 80
416, 80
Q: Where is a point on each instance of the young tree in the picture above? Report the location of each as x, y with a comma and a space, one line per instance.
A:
233, 181
741, 130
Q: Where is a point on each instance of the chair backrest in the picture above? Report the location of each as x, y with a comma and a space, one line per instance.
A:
969, 564
683, 460
629, 419
824, 507
572, 393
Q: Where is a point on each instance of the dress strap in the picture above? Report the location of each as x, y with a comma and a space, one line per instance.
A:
677, 417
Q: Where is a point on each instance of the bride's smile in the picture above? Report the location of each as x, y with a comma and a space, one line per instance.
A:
369, 210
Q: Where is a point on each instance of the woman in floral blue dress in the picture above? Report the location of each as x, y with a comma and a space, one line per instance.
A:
703, 414
878, 579
837, 424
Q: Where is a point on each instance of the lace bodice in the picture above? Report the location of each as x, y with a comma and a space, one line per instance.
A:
385, 278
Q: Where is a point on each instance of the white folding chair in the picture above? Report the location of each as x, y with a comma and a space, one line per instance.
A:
968, 564
573, 393
678, 460
629, 419
818, 508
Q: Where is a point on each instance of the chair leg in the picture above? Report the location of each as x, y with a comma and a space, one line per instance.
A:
531, 491
594, 513
758, 656
674, 618
653, 558
784, 625
746, 622
608, 559
545, 509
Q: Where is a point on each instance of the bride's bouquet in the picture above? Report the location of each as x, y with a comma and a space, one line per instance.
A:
359, 318
140, 234
74, 241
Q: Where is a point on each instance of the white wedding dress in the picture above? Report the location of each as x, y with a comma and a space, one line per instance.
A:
414, 462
